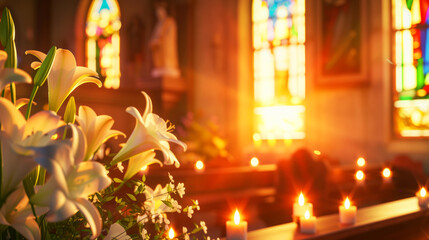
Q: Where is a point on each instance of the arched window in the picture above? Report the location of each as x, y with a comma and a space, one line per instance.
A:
102, 44
279, 68
411, 68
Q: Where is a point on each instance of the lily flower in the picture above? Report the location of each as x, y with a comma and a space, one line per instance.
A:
18, 139
64, 76
16, 212
117, 232
97, 129
137, 162
10, 75
72, 181
150, 132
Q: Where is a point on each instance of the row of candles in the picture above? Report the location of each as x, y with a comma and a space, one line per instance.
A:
303, 214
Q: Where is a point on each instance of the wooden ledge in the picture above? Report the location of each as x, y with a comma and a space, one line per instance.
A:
368, 219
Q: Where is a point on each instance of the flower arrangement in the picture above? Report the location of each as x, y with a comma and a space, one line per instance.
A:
52, 186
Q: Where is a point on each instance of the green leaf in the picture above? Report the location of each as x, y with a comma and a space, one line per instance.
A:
132, 197
168, 203
409, 4
117, 180
45, 68
108, 199
70, 112
7, 27
196, 230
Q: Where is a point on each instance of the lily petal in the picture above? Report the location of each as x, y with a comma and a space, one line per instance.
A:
91, 215
137, 162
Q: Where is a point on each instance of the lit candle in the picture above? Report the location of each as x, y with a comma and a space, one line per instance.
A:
308, 223
199, 166
387, 175
423, 198
300, 207
361, 162
236, 230
347, 213
171, 233
360, 177
254, 162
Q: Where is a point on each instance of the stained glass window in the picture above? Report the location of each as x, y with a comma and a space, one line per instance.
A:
279, 68
411, 68
102, 45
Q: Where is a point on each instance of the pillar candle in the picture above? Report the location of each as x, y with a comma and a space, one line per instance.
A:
308, 223
300, 207
347, 213
236, 230
423, 198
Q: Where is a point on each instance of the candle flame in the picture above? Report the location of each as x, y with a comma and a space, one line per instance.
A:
171, 233
307, 214
55, 136
386, 172
254, 161
317, 152
199, 165
236, 217
360, 175
347, 203
301, 199
422, 192
361, 162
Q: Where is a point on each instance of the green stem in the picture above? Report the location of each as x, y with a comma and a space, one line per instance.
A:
30, 103
12, 93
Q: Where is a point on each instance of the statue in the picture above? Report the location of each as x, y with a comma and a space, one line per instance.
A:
163, 44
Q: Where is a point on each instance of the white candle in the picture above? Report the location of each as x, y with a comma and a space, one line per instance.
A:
300, 207
423, 198
308, 223
236, 230
347, 213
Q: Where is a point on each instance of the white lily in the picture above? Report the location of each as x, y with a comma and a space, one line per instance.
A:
72, 181
10, 75
16, 212
19, 138
97, 129
117, 232
64, 76
150, 132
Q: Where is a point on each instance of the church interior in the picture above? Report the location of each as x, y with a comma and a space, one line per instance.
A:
274, 99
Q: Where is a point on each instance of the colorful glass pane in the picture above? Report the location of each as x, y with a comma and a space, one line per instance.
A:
102, 45
279, 68
411, 68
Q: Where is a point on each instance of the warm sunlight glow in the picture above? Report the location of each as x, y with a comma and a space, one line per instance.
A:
422, 192
301, 199
361, 162
236, 217
387, 173
279, 68
360, 175
254, 161
280, 122
307, 214
347, 203
199, 165
103, 42
171, 233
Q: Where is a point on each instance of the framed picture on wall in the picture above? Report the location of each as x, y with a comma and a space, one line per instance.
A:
341, 42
